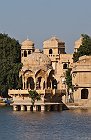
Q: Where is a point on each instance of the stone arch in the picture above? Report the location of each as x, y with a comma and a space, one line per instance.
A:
50, 51
40, 73
84, 93
30, 83
28, 72
38, 83
40, 78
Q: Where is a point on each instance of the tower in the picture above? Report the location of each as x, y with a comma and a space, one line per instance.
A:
26, 49
53, 48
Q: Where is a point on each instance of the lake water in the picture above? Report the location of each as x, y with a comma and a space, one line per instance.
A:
65, 125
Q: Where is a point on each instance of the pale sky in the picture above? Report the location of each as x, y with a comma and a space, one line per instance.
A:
42, 19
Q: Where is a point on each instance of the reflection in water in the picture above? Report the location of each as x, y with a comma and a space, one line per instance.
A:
65, 125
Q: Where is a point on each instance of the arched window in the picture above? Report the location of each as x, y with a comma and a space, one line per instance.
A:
30, 83
38, 83
25, 53
84, 94
50, 51
65, 66
29, 52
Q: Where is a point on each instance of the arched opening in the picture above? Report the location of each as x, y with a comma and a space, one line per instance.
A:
38, 108
38, 83
30, 83
65, 66
25, 53
50, 79
50, 51
84, 94
54, 84
29, 52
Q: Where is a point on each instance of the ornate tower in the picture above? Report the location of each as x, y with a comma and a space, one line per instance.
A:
53, 48
26, 49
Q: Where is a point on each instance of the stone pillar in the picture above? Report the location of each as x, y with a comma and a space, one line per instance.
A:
42, 97
15, 107
35, 83
28, 108
64, 99
34, 108
22, 108
42, 108
23, 81
46, 83
51, 84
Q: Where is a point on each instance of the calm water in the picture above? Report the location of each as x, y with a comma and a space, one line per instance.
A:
65, 125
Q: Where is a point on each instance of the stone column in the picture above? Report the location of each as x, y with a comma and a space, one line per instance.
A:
28, 108
46, 83
23, 81
35, 83
15, 107
42, 108
34, 108
22, 108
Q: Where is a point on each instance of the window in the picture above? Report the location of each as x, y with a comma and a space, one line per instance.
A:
65, 66
25, 53
29, 52
84, 94
50, 51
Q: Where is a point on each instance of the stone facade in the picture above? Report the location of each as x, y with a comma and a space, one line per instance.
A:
81, 78
44, 71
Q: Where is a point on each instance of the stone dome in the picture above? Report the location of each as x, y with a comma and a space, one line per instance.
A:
27, 44
39, 60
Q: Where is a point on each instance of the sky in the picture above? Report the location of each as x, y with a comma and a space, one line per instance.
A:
40, 20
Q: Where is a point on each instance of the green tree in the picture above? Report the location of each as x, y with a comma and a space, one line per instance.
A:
10, 64
68, 79
34, 96
84, 49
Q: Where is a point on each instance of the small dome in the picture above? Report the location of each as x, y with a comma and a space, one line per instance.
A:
27, 44
39, 60
37, 51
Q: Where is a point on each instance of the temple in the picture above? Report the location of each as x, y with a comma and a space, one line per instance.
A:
45, 71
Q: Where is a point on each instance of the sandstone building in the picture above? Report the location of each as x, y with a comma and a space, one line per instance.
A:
44, 71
